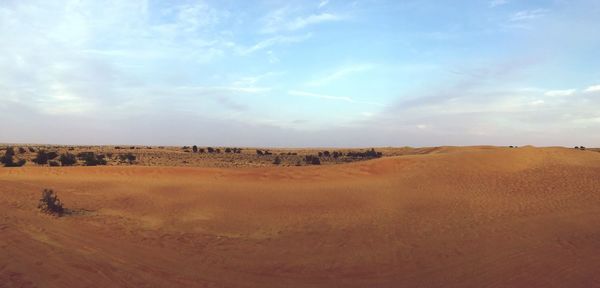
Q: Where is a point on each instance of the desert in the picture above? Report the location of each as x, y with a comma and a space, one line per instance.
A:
299, 144
448, 217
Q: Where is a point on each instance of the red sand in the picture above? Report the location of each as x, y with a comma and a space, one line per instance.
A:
458, 217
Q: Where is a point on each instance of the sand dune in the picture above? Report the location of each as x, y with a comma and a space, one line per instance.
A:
454, 217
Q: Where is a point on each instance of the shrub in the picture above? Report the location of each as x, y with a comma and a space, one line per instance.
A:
326, 153
267, 152
67, 159
22, 150
90, 158
41, 158
195, 149
312, 159
210, 150
217, 150
259, 152
10, 151
49, 203
52, 155
127, 157
8, 161
336, 154
320, 154
117, 147
227, 150
31, 149
53, 163
185, 147
277, 160
201, 150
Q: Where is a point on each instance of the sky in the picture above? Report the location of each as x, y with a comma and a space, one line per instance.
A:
300, 73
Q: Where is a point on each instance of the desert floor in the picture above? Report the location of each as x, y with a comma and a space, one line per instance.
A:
455, 217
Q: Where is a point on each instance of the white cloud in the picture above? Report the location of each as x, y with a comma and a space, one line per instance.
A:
329, 97
560, 93
526, 15
283, 20
302, 22
340, 73
274, 41
323, 3
496, 3
592, 89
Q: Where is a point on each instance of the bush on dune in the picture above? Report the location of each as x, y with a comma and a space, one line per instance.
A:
49, 203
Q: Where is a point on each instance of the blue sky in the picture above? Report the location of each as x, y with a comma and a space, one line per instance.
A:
301, 73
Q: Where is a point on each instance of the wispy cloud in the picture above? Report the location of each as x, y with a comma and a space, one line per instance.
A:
560, 93
340, 73
526, 15
330, 97
593, 89
496, 3
283, 20
264, 44
323, 3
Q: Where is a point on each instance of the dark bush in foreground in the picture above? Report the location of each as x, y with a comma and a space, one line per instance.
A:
67, 159
127, 157
49, 203
8, 160
41, 158
52, 155
53, 163
312, 159
91, 159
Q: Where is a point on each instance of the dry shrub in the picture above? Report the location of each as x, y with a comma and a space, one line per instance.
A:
49, 203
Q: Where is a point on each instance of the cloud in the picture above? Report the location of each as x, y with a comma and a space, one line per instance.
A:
560, 93
592, 89
302, 22
283, 20
329, 97
267, 43
526, 15
323, 3
340, 73
496, 3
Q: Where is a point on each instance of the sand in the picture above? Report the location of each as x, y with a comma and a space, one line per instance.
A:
455, 217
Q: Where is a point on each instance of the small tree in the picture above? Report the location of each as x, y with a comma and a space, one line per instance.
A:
8, 160
195, 149
67, 159
259, 152
41, 158
49, 203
